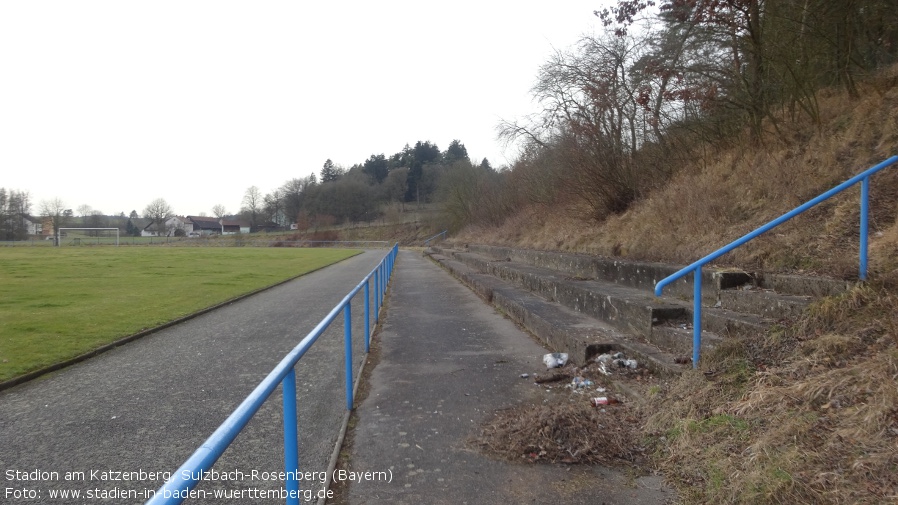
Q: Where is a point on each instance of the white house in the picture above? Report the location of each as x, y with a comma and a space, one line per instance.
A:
169, 228
175, 223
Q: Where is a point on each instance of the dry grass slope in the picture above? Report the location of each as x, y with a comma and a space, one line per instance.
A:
808, 416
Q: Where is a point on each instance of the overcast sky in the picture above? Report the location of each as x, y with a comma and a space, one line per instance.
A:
114, 103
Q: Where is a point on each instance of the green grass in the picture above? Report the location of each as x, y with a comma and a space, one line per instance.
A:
57, 303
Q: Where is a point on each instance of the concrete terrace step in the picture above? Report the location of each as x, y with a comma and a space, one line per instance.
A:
644, 275
773, 297
764, 302
802, 285
635, 274
626, 308
677, 338
561, 328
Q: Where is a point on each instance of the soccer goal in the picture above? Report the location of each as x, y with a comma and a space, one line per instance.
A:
87, 236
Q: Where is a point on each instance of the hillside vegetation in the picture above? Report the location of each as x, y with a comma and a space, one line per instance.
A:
666, 147
734, 186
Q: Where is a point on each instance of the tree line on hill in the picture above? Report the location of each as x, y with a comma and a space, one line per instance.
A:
415, 175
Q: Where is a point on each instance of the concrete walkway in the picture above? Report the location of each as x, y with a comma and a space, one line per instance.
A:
146, 406
448, 361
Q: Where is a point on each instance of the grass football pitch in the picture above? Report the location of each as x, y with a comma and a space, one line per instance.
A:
58, 303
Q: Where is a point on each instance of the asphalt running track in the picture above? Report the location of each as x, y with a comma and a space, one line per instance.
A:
146, 406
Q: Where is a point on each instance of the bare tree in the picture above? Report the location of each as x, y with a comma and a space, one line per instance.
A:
591, 121
252, 204
84, 213
219, 211
158, 211
55, 211
274, 207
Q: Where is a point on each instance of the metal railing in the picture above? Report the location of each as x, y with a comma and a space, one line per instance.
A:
696, 267
441, 235
178, 487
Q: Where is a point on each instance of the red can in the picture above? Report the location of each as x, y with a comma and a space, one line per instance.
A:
601, 400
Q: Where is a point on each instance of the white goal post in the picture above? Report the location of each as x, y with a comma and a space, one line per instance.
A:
60, 230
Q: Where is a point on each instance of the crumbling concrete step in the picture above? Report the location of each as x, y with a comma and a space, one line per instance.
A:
677, 339
765, 303
625, 308
717, 324
636, 274
803, 285
559, 327
731, 323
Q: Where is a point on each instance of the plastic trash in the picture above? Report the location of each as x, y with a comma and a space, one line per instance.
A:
604, 358
580, 382
555, 359
631, 364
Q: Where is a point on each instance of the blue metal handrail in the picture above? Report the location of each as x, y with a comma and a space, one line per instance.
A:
178, 487
440, 234
696, 267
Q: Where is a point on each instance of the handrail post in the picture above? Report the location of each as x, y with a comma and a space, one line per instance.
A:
347, 346
696, 316
291, 441
376, 295
367, 317
865, 198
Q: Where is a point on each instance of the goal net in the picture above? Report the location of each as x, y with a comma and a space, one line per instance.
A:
87, 236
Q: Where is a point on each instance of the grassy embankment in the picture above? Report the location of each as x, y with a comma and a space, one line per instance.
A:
57, 303
807, 412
